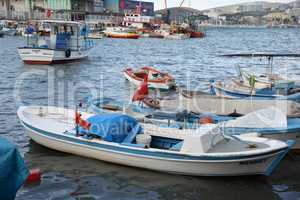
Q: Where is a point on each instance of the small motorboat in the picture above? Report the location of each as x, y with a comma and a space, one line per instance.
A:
95, 30
121, 33
286, 90
178, 32
67, 42
122, 140
266, 79
178, 36
148, 110
8, 27
197, 34
268, 122
200, 102
8, 31
156, 79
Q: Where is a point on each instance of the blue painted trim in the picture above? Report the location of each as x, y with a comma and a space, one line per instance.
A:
228, 93
142, 152
280, 156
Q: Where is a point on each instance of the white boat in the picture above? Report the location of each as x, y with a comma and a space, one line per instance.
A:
8, 27
95, 32
262, 80
155, 78
202, 152
8, 31
67, 42
178, 36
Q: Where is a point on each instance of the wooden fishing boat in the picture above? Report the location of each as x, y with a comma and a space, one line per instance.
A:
202, 152
155, 78
285, 90
266, 79
199, 102
197, 34
261, 121
67, 42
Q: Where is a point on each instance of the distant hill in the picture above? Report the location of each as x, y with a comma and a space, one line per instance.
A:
251, 6
259, 5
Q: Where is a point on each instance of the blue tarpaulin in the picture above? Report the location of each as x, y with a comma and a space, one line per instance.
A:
13, 171
113, 127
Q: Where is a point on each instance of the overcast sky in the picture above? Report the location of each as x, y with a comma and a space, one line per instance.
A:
204, 4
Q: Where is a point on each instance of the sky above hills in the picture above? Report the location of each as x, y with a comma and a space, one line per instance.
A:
204, 4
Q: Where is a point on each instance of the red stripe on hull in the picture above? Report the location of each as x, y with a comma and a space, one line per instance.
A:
37, 62
124, 37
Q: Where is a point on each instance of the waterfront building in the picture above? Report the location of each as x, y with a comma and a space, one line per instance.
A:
35, 9
129, 6
50, 9
178, 15
277, 18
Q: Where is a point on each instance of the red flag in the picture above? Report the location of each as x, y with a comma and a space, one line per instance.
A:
122, 4
48, 13
142, 91
81, 122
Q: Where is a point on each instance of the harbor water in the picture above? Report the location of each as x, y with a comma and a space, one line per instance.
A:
192, 62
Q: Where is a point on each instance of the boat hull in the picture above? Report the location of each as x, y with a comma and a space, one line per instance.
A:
151, 84
177, 36
196, 34
123, 36
223, 92
261, 164
42, 56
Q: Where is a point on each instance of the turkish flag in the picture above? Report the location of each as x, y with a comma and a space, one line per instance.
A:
142, 91
81, 122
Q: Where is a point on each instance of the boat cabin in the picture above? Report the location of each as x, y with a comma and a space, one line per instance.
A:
63, 35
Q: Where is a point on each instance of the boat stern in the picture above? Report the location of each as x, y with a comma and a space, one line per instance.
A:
36, 56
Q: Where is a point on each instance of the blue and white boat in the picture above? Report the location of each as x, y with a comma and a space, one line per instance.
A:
67, 42
202, 152
270, 127
262, 80
282, 90
143, 111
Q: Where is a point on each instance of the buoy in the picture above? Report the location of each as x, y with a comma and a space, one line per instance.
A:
34, 176
206, 120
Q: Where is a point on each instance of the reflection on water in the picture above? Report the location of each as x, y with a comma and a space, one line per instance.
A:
192, 62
